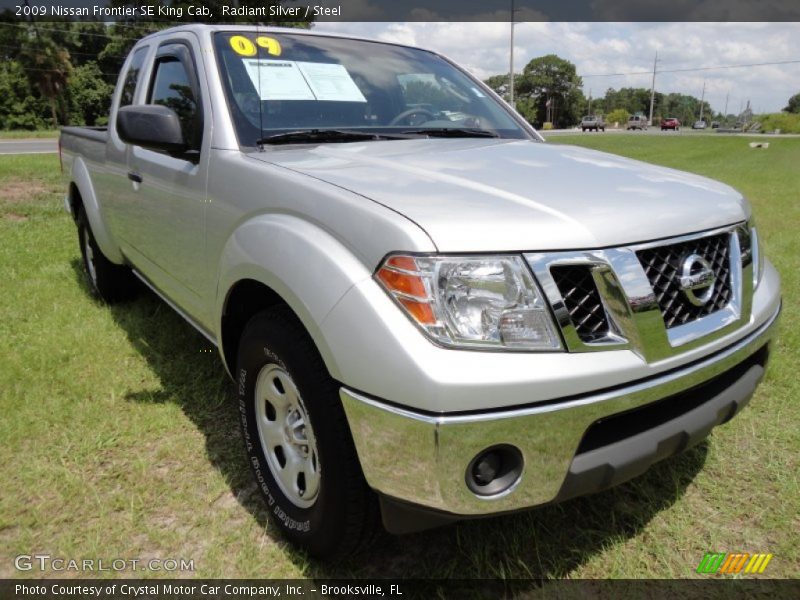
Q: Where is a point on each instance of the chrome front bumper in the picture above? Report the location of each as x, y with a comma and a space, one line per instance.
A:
422, 458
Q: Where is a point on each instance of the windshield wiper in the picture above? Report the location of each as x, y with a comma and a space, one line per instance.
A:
452, 132
323, 135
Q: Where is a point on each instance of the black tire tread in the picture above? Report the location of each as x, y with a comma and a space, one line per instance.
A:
362, 524
115, 283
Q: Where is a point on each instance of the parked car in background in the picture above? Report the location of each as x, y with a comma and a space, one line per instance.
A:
714, 124
638, 122
699, 125
670, 123
595, 122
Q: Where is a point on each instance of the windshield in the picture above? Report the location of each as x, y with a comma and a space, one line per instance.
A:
280, 83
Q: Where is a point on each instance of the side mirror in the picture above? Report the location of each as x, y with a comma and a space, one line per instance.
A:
151, 126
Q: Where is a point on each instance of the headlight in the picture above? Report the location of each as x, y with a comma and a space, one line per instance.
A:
472, 302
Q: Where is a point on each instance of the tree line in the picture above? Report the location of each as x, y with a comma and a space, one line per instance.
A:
63, 71
549, 90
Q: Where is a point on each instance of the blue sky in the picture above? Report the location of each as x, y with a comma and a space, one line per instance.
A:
602, 48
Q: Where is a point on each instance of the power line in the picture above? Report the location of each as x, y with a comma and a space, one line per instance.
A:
77, 32
693, 69
766, 64
56, 70
71, 52
25, 26
119, 24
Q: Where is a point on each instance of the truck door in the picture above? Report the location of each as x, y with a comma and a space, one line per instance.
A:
168, 239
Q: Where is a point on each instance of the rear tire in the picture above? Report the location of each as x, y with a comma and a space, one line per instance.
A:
298, 441
108, 281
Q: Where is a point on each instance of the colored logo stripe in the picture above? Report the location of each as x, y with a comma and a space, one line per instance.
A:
711, 562
758, 563
721, 562
734, 563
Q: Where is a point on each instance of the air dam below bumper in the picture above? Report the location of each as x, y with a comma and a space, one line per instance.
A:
569, 447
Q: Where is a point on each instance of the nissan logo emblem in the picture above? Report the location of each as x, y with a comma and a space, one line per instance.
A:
697, 280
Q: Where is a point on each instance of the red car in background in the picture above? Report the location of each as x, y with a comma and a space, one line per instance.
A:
670, 123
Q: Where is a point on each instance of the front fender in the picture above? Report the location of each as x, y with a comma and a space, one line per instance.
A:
82, 180
304, 264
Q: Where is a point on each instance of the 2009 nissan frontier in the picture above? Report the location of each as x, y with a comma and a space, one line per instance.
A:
429, 313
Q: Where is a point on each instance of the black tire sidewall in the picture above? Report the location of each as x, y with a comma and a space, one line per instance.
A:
112, 283
85, 231
266, 341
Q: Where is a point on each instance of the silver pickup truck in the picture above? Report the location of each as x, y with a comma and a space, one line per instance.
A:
429, 313
593, 122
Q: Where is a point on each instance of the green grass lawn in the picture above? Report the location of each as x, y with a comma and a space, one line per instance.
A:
18, 134
120, 437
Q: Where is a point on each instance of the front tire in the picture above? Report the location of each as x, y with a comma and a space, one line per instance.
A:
297, 439
108, 281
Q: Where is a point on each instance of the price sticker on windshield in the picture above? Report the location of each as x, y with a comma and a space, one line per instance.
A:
243, 46
271, 45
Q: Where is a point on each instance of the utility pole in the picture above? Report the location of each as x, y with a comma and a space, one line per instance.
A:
32, 21
653, 90
725, 114
702, 99
590, 102
511, 62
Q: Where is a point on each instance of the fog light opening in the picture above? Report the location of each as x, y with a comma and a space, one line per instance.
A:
494, 470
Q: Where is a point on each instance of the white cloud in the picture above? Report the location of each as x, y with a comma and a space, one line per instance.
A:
602, 48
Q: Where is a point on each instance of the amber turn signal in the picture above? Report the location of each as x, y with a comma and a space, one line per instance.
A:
402, 282
401, 277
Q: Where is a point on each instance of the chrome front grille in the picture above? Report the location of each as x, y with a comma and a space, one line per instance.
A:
579, 291
657, 298
662, 265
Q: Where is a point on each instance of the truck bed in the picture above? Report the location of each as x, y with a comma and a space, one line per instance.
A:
97, 134
88, 142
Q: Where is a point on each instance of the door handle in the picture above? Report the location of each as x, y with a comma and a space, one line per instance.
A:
134, 177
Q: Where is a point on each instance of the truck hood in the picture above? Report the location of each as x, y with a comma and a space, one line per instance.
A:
474, 195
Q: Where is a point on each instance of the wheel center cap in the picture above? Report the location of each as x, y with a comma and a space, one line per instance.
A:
295, 432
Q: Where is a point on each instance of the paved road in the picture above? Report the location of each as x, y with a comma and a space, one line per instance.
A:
687, 131
33, 146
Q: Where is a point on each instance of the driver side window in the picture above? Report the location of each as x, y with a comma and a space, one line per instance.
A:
172, 87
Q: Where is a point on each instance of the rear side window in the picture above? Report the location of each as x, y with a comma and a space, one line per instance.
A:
132, 77
172, 87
